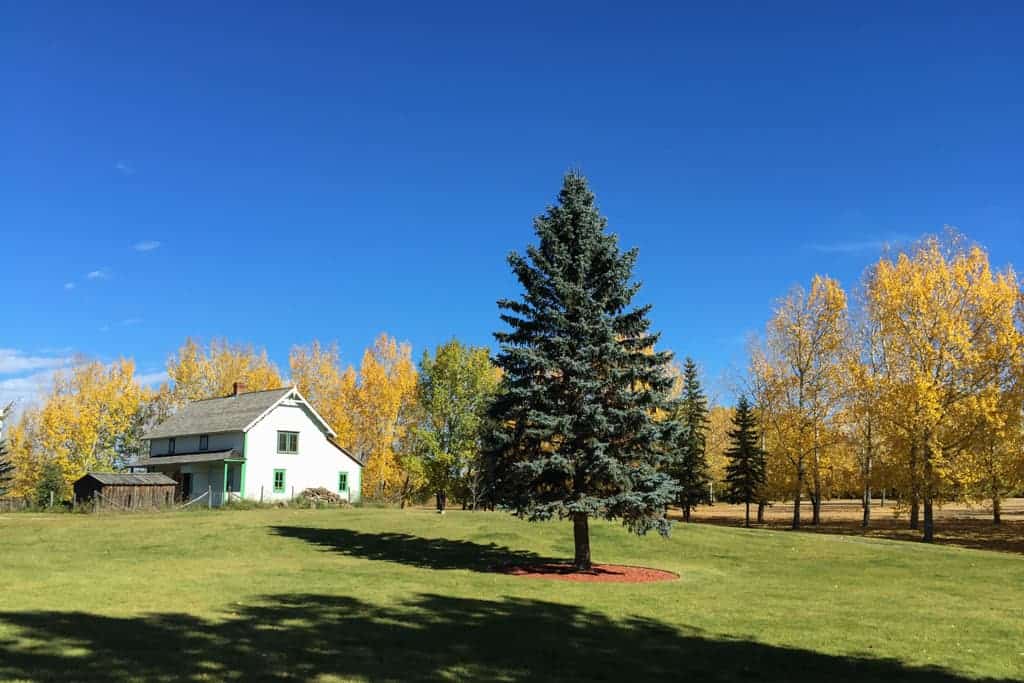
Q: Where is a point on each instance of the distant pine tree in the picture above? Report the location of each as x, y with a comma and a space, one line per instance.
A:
745, 473
51, 480
6, 468
575, 429
689, 467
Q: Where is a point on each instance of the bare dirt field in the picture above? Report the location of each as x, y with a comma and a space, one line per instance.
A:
955, 523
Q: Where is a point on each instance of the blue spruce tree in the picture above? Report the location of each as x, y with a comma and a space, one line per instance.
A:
576, 432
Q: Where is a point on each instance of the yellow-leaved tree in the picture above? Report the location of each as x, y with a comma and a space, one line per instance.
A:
796, 376
198, 373
90, 420
949, 340
383, 413
318, 374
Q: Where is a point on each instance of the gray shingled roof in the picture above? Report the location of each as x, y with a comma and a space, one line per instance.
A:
131, 479
229, 414
182, 458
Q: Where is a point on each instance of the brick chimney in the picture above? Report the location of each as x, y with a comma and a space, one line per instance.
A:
239, 388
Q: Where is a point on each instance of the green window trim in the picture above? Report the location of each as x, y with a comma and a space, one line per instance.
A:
342, 482
287, 442
279, 487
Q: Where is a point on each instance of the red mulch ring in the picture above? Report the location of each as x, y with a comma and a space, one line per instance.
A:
600, 573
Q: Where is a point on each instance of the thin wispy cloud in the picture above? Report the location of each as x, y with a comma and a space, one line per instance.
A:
24, 376
125, 167
13, 361
146, 245
148, 379
129, 322
99, 274
857, 246
69, 285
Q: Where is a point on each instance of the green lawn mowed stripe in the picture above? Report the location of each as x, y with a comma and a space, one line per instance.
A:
372, 594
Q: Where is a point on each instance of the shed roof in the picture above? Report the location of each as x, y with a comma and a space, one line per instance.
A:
130, 479
182, 458
213, 415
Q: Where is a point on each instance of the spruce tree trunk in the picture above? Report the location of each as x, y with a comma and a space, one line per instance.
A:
760, 512
915, 512
581, 538
997, 508
747, 520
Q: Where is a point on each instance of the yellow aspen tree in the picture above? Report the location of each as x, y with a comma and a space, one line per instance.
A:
198, 373
861, 418
89, 418
317, 372
384, 400
947, 331
798, 372
994, 459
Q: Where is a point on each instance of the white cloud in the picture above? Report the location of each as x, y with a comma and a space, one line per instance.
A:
151, 378
25, 376
856, 246
125, 167
146, 245
13, 361
24, 391
98, 274
128, 322
69, 285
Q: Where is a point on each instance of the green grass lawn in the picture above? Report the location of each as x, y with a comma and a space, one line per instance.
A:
387, 594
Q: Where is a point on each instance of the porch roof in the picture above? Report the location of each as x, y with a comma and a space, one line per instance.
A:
183, 458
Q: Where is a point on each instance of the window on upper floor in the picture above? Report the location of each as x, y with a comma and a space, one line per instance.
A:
204, 442
170, 446
287, 442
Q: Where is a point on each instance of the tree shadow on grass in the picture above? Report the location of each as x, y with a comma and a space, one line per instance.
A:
425, 553
428, 638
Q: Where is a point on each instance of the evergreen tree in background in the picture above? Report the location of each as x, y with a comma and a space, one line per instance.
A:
690, 466
575, 429
745, 473
51, 480
6, 468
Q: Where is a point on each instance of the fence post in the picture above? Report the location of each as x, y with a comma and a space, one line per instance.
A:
51, 498
209, 497
261, 494
293, 492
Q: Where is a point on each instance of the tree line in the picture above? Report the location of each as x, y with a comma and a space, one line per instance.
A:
916, 389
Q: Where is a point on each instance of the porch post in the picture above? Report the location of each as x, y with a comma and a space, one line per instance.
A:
226, 481
242, 475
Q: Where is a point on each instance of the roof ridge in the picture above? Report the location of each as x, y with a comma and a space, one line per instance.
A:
244, 393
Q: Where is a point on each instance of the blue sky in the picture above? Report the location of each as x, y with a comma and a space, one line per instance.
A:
275, 175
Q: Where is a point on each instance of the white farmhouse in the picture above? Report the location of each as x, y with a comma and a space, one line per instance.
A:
260, 445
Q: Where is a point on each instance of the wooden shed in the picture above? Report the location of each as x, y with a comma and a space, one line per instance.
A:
126, 491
